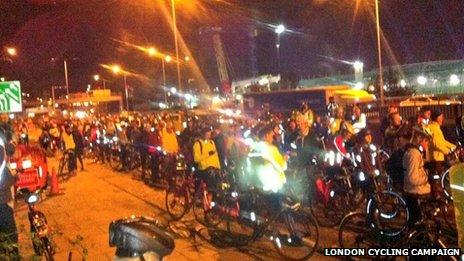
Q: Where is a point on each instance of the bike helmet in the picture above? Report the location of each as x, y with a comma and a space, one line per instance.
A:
138, 235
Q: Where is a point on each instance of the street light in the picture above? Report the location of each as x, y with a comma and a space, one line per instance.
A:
421, 80
187, 58
117, 70
11, 51
379, 51
454, 80
174, 29
152, 51
280, 29
97, 78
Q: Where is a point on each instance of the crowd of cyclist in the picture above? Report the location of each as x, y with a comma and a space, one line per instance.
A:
417, 147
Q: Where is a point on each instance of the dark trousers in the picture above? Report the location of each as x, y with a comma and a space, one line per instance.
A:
412, 202
123, 155
7, 223
72, 163
436, 170
155, 158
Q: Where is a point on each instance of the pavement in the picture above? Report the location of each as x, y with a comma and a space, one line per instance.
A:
80, 217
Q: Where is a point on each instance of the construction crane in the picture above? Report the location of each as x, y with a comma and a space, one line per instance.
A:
221, 58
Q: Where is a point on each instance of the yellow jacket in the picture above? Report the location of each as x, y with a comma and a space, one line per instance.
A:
68, 141
335, 126
271, 173
169, 141
201, 149
439, 147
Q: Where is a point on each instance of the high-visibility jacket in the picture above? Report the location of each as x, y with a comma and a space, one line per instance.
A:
169, 141
68, 141
269, 171
202, 157
439, 147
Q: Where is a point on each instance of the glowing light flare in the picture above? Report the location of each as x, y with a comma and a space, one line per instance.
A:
358, 66
168, 58
403, 83
280, 29
11, 51
152, 51
421, 80
454, 80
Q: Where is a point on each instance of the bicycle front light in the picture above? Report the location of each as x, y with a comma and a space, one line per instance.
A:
33, 198
26, 164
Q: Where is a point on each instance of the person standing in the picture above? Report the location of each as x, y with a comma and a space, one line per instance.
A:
359, 119
70, 147
78, 138
415, 184
438, 148
7, 181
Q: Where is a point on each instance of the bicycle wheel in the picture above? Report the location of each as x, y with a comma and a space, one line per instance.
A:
243, 226
49, 250
389, 213
178, 199
296, 234
330, 214
354, 232
205, 210
115, 160
63, 171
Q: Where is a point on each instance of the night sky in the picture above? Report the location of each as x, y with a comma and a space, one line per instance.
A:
83, 31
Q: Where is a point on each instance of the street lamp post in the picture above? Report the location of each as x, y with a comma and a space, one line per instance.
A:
117, 70
379, 50
126, 90
176, 44
66, 77
167, 59
280, 29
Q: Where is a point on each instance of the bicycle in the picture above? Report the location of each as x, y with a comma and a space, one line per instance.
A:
360, 230
63, 166
293, 231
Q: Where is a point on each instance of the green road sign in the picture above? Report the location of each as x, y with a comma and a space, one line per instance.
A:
10, 97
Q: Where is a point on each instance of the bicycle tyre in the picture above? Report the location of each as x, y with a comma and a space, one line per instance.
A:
329, 215
115, 160
178, 191
207, 217
305, 221
392, 213
242, 229
63, 171
354, 229
49, 250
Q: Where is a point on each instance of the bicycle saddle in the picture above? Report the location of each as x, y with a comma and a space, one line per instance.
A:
138, 235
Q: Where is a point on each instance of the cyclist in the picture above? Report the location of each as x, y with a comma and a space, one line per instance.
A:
70, 148
269, 170
359, 119
7, 180
169, 139
332, 107
78, 137
123, 142
337, 121
438, 148
416, 183
206, 158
